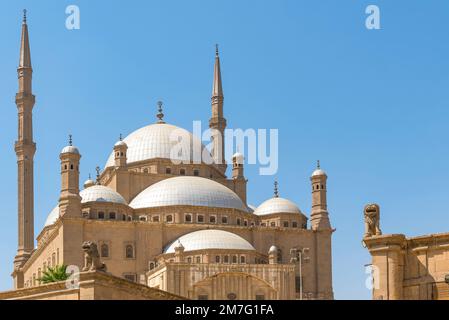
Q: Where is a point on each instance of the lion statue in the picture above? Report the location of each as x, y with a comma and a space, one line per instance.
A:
92, 257
372, 219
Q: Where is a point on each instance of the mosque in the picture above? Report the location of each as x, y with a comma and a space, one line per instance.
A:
182, 227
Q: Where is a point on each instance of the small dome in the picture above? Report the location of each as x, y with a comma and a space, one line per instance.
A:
210, 239
88, 183
95, 193
318, 172
273, 249
98, 193
120, 143
238, 157
277, 205
52, 217
70, 149
188, 191
159, 141
179, 246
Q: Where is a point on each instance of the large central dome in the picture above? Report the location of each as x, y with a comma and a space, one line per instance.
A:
188, 191
159, 141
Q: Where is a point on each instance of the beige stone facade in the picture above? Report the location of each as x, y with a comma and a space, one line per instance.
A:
180, 226
415, 268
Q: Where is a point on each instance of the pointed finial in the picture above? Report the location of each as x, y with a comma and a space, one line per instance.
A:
276, 190
24, 15
98, 175
160, 115
318, 166
90, 177
120, 137
216, 49
70, 140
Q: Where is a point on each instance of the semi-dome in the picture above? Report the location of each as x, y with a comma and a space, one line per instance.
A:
95, 193
188, 191
162, 140
210, 239
277, 205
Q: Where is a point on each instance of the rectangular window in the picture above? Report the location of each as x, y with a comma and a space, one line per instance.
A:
167, 170
200, 218
196, 172
188, 218
260, 297
155, 218
112, 215
130, 277
295, 224
224, 220
285, 224
100, 215
203, 297
182, 172
198, 259
212, 219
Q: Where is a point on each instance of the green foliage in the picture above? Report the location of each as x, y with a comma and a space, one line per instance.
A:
58, 273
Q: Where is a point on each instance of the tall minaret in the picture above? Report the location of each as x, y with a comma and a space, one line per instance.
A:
217, 121
25, 149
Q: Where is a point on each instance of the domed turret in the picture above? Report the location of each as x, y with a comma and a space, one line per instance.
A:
69, 199
120, 153
89, 183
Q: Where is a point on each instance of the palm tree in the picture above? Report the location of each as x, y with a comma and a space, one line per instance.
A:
58, 273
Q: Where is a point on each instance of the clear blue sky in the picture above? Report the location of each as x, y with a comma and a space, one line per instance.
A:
371, 104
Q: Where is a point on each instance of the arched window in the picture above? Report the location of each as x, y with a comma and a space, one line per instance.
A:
188, 218
196, 172
167, 170
224, 219
169, 218
226, 259
104, 250
242, 259
189, 260
238, 221
212, 219
245, 223
234, 259
145, 170
129, 251
123, 217
112, 215
198, 259
285, 224
130, 218
182, 172
217, 259
101, 215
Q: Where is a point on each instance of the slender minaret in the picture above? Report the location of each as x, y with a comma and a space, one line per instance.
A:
217, 121
25, 149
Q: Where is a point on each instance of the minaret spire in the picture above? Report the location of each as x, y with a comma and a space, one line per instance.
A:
25, 149
217, 121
